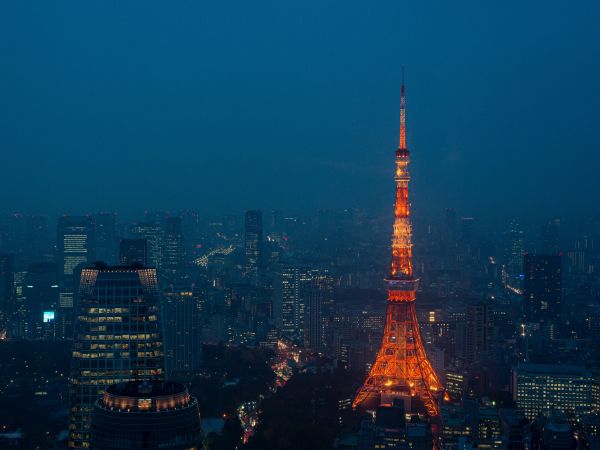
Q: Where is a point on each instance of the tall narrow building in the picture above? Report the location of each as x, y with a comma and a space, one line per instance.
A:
7, 290
173, 250
542, 288
291, 304
106, 238
180, 308
152, 232
75, 244
76, 247
253, 239
40, 291
117, 338
133, 251
401, 369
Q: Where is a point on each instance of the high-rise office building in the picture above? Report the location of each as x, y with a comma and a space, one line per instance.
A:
474, 339
540, 387
106, 237
542, 288
467, 233
148, 415
173, 249
253, 239
313, 321
117, 338
180, 315
513, 272
7, 290
550, 237
40, 290
317, 296
76, 246
133, 251
291, 301
152, 232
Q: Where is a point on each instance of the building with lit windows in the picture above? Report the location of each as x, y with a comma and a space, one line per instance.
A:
253, 241
542, 288
133, 251
152, 233
40, 290
148, 415
391, 428
180, 307
76, 246
540, 387
295, 289
117, 338
173, 249
455, 382
7, 290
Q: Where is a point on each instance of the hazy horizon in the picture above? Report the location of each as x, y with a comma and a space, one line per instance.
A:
121, 108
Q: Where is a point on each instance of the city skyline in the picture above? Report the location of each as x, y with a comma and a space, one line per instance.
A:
207, 239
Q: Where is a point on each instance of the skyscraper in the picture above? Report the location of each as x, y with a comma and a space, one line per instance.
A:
76, 247
313, 321
117, 338
173, 250
476, 334
401, 367
180, 315
133, 251
313, 304
292, 292
549, 237
253, 239
152, 232
542, 288
7, 290
41, 297
106, 239
75, 244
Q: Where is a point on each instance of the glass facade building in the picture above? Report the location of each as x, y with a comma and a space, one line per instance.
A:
182, 329
117, 338
253, 241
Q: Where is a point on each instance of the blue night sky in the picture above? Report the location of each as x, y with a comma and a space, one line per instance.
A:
125, 106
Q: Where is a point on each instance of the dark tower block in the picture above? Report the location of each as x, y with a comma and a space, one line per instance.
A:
133, 251
253, 239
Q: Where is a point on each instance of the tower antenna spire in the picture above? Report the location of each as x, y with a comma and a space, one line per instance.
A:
402, 145
401, 365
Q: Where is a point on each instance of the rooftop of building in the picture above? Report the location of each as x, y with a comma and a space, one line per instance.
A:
146, 389
559, 369
104, 267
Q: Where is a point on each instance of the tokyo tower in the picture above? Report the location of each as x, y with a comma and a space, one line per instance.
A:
401, 367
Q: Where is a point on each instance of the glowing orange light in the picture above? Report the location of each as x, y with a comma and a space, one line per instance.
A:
401, 360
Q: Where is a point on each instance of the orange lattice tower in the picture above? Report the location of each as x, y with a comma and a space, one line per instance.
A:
401, 367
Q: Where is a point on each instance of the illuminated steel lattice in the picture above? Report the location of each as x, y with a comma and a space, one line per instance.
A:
402, 366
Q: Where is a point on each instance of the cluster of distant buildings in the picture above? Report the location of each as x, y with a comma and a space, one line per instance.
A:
493, 318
